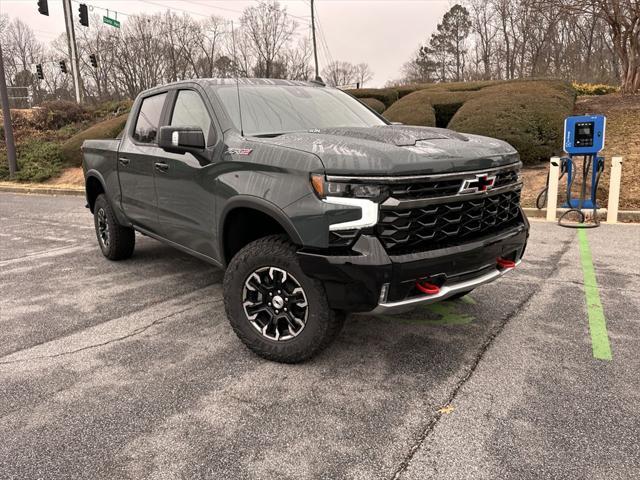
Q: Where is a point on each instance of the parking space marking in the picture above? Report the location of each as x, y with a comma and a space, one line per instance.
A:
597, 322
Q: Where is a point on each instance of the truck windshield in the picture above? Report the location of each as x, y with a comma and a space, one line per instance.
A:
276, 109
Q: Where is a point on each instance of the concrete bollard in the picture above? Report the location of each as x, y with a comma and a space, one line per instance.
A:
552, 191
614, 189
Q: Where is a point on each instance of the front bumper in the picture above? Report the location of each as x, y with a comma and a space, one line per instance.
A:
369, 280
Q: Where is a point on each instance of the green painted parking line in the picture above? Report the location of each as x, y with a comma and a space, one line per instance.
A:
597, 321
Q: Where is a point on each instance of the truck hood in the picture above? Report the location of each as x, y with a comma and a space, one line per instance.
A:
398, 150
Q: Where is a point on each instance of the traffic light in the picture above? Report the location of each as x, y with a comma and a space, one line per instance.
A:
84, 15
94, 60
39, 72
63, 66
43, 7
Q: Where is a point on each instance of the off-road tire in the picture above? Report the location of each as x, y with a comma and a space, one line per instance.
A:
121, 240
322, 324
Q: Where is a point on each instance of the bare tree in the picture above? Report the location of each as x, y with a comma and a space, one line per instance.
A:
363, 73
268, 29
339, 74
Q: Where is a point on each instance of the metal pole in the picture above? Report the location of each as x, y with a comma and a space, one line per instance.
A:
73, 48
6, 115
313, 35
552, 192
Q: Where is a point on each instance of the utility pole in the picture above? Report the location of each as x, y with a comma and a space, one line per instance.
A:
6, 114
313, 34
73, 48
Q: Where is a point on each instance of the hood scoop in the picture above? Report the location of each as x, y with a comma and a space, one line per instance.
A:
398, 135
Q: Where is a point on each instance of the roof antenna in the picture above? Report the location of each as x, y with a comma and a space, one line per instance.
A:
235, 71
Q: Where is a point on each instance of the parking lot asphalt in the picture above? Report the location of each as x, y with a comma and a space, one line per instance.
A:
130, 369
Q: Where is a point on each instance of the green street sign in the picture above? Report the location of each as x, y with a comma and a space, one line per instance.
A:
111, 21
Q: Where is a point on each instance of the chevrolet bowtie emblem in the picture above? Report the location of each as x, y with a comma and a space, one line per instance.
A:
481, 183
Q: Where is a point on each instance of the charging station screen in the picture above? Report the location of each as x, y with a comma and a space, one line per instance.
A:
584, 134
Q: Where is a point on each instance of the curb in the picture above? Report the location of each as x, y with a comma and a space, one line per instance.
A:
42, 190
624, 216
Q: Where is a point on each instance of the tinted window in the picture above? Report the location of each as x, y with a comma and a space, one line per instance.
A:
279, 109
190, 111
149, 119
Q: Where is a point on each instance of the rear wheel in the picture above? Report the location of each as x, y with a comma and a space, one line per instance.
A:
274, 308
116, 242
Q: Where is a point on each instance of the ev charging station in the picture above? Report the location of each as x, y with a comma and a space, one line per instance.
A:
584, 137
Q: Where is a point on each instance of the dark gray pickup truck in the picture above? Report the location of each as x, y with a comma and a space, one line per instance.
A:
315, 205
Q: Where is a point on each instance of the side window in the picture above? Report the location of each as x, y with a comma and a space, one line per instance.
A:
149, 118
190, 111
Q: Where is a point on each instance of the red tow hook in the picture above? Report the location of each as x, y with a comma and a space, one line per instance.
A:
428, 288
505, 263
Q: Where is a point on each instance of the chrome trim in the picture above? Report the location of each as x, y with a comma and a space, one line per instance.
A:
391, 203
445, 292
419, 178
368, 209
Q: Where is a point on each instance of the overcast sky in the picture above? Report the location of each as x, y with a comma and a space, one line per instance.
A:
382, 33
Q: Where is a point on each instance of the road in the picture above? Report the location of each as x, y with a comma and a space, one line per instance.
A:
130, 369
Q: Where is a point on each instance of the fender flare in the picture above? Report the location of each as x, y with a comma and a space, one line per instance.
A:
98, 176
262, 205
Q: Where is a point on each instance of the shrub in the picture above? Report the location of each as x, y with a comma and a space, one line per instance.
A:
374, 104
58, 113
411, 112
428, 107
594, 88
528, 115
37, 161
106, 129
112, 108
385, 95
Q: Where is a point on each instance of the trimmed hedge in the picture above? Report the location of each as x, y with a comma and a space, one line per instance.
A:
411, 112
106, 129
374, 104
386, 95
427, 107
528, 115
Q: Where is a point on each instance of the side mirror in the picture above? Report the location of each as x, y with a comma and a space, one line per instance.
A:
181, 139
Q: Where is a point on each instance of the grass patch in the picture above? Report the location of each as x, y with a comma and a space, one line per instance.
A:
110, 128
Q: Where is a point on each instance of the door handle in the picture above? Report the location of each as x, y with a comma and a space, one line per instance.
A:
124, 161
162, 167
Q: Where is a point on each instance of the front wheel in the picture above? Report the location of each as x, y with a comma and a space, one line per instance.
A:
274, 308
116, 242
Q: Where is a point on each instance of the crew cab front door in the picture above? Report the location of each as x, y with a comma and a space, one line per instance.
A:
185, 184
137, 158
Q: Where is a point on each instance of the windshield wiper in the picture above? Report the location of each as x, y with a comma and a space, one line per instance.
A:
268, 135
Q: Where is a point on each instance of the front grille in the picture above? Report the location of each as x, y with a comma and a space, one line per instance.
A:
443, 187
447, 224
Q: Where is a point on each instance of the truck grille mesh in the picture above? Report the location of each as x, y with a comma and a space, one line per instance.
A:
447, 224
443, 187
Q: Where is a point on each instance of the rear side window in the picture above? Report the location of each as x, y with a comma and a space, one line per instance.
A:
190, 111
149, 119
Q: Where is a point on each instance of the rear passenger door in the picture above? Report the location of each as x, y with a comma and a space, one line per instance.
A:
137, 157
185, 186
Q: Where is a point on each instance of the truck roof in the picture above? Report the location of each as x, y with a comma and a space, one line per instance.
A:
220, 82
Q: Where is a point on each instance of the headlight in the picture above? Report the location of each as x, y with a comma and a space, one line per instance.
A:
324, 189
